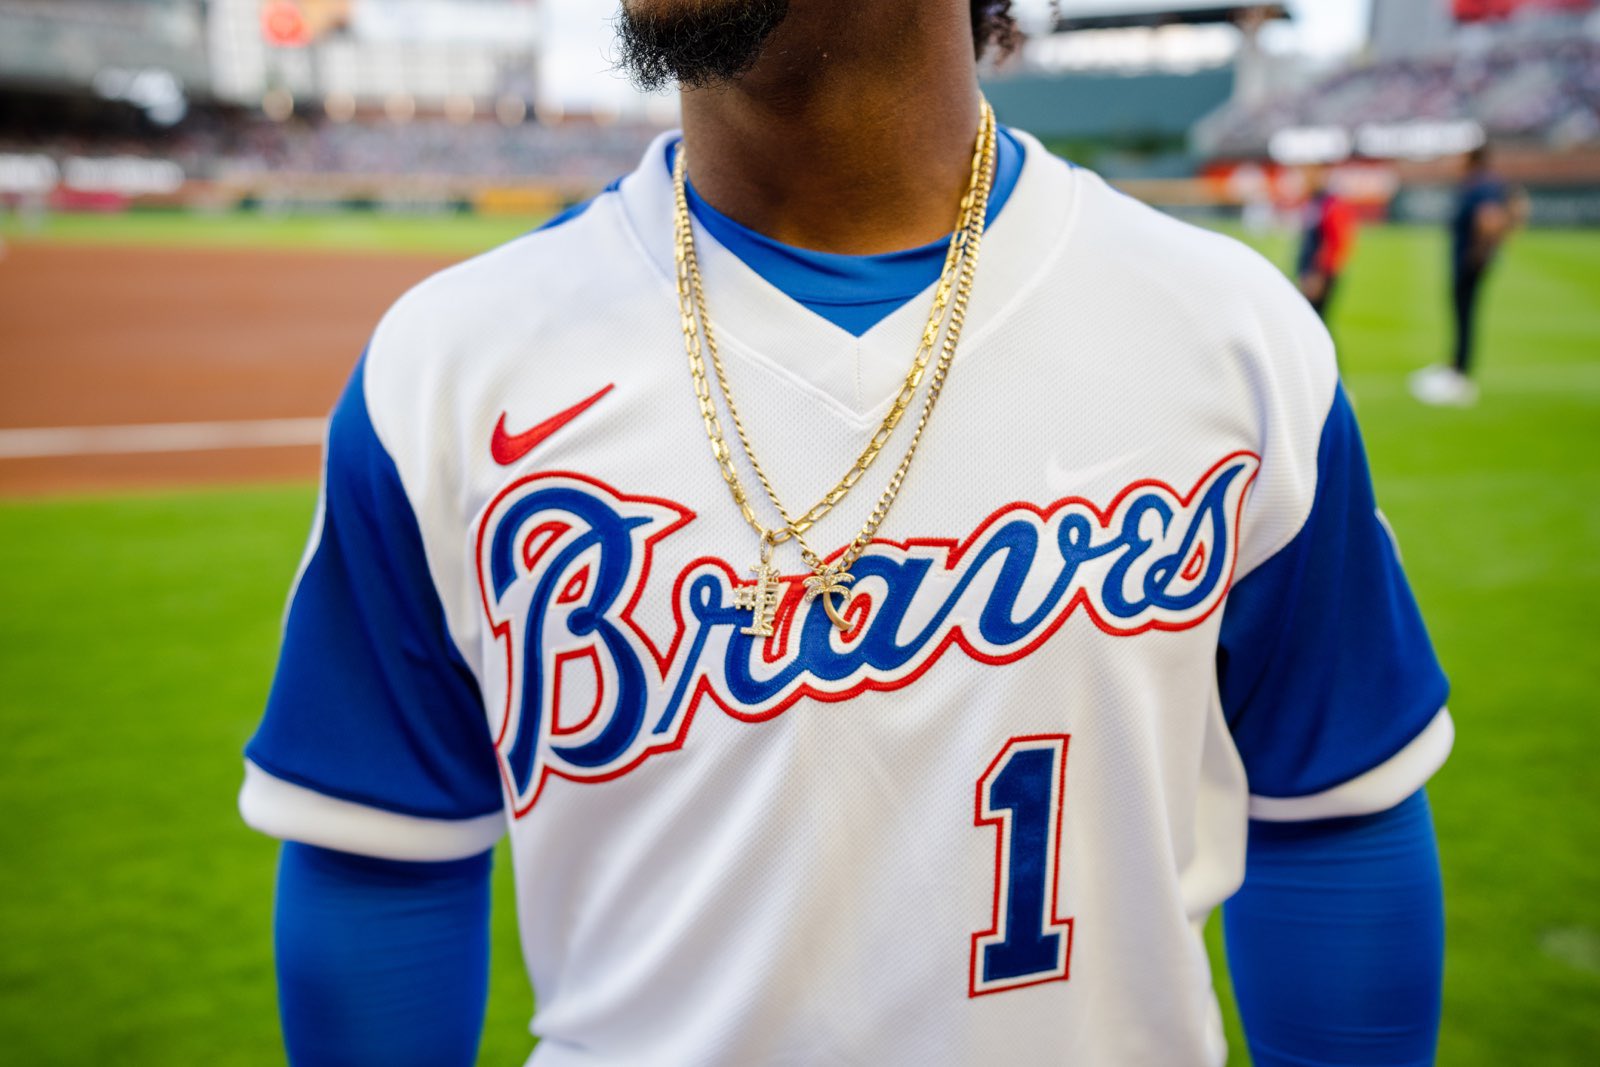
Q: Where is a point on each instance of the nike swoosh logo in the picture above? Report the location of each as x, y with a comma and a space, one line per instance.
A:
1062, 480
508, 448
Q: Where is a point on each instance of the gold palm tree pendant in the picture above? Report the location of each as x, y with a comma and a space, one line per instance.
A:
825, 584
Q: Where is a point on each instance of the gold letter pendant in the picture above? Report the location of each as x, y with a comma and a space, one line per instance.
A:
760, 599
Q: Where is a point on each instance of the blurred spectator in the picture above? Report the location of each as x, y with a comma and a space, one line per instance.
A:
1540, 90
214, 142
1483, 218
1326, 237
437, 147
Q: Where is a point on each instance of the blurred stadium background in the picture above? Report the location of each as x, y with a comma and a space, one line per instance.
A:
204, 206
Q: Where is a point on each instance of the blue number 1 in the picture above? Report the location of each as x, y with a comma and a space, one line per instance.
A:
1020, 795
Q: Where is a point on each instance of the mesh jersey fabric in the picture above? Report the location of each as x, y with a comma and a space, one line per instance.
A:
997, 809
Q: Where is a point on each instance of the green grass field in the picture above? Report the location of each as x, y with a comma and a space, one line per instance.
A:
137, 635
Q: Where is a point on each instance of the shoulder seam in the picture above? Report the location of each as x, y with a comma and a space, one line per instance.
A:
1311, 498
381, 436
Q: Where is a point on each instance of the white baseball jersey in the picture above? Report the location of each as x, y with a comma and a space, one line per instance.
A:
1134, 592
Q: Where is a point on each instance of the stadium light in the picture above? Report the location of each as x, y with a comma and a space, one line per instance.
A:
156, 92
277, 104
400, 107
341, 107
510, 110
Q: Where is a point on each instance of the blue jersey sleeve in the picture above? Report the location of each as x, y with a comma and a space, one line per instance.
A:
1336, 940
1327, 678
380, 961
374, 738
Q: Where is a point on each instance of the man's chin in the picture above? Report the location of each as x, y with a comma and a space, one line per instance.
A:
694, 43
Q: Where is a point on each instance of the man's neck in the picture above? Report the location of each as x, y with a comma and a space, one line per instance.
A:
853, 134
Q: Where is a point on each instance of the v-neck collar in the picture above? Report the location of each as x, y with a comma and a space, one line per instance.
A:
852, 291
858, 376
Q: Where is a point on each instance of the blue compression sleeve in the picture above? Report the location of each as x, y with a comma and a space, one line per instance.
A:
379, 961
1336, 941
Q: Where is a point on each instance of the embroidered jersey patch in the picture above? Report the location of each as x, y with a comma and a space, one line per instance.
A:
563, 560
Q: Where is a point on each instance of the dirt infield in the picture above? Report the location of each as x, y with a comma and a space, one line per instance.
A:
110, 336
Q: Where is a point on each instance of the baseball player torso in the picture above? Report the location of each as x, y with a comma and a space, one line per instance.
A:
985, 823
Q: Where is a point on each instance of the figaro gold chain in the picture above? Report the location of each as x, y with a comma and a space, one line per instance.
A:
952, 293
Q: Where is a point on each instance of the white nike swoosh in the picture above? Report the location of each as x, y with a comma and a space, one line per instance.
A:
1066, 481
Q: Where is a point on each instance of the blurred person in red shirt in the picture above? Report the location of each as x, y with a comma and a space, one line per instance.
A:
1326, 238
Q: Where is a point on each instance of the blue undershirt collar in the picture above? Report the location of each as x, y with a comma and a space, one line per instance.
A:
855, 293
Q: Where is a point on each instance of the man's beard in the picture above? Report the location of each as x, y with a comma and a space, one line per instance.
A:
695, 43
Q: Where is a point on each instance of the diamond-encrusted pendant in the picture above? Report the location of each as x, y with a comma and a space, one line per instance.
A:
760, 599
825, 584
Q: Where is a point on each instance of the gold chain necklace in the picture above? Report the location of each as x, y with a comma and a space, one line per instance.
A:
955, 287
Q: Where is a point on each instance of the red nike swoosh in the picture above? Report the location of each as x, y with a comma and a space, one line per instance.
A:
508, 448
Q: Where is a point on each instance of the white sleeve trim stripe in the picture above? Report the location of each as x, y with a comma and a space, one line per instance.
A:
1377, 790
313, 540
294, 813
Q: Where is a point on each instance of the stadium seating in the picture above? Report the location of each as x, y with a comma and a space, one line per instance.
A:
1544, 91
437, 147
224, 144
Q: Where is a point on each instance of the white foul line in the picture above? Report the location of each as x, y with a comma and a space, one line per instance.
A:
38, 441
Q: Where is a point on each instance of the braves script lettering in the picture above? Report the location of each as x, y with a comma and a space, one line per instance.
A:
563, 560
